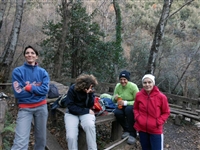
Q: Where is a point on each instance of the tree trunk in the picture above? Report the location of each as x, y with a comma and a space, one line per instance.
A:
118, 23
118, 35
2, 11
158, 36
58, 61
6, 58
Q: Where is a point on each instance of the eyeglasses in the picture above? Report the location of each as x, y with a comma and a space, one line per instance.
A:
149, 82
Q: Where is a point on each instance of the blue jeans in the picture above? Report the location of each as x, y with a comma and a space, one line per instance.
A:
23, 127
151, 141
87, 122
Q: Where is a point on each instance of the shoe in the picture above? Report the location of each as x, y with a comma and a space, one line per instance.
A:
131, 140
125, 134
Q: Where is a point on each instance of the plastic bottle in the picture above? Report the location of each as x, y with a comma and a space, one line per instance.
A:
119, 106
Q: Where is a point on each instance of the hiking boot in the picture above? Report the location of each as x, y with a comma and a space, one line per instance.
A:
125, 134
131, 140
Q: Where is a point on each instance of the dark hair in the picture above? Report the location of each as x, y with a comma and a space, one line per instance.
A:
36, 52
84, 81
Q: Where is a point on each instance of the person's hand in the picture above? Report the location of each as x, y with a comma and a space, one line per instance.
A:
120, 102
27, 87
90, 89
116, 96
91, 112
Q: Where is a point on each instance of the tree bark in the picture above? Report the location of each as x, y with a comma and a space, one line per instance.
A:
158, 36
118, 35
6, 58
58, 61
118, 23
2, 11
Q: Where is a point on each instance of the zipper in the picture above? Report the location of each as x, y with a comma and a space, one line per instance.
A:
147, 111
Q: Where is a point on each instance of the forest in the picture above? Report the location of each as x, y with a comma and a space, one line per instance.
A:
104, 37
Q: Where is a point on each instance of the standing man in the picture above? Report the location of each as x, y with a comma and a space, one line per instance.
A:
30, 85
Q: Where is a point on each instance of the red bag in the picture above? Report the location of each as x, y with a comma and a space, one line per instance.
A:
99, 107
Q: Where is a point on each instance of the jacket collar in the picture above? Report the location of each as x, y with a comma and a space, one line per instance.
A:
153, 92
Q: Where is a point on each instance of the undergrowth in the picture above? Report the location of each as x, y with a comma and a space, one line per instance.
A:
8, 131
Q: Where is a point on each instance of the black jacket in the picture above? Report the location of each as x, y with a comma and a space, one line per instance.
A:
79, 102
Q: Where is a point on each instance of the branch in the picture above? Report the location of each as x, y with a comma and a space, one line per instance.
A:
185, 69
116, 144
181, 8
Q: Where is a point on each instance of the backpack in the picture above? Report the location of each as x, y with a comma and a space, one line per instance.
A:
109, 104
60, 102
98, 107
53, 91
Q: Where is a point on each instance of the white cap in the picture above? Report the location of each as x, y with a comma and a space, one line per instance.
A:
150, 76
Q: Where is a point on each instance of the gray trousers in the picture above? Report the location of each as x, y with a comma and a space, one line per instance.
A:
87, 122
23, 127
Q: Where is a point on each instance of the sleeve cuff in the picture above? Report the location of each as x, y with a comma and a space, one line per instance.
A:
28, 88
125, 103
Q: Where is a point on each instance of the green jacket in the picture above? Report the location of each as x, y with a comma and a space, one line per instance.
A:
127, 93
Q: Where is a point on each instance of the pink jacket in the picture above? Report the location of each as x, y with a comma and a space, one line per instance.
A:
150, 111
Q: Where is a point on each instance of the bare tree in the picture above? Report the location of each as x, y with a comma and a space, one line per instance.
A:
6, 58
158, 36
159, 33
188, 65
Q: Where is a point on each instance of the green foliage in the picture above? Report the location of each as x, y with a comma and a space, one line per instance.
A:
9, 128
85, 48
185, 14
8, 131
85, 52
138, 58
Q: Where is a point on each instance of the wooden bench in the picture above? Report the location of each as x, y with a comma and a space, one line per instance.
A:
183, 108
116, 129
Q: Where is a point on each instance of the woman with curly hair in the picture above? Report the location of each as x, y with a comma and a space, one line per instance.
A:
79, 100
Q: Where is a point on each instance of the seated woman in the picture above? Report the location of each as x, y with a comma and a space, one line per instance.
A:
124, 95
79, 100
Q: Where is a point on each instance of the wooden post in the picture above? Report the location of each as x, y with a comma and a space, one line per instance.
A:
178, 119
3, 109
116, 131
82, 143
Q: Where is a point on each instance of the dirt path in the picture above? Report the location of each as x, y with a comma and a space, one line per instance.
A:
184, 137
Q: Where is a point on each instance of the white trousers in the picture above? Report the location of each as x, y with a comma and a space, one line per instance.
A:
87, 122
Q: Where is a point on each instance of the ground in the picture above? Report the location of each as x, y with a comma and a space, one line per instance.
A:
184, 137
